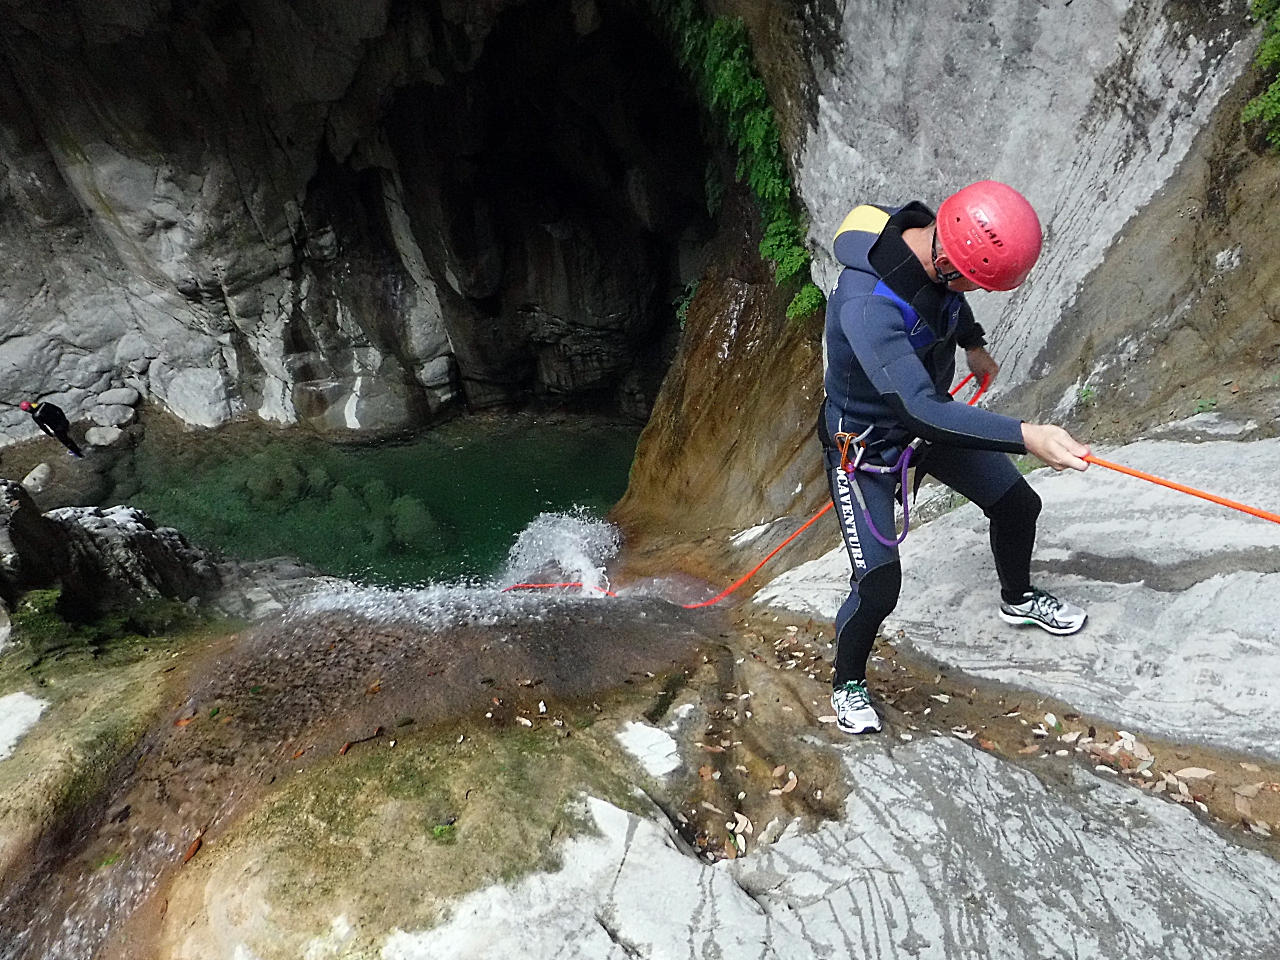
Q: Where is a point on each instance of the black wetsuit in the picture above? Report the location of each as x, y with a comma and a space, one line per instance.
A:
890, 347
54, 422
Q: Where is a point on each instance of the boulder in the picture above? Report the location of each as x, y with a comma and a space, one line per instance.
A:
102, 436
37, 478
100, 557
112, 415
119, 396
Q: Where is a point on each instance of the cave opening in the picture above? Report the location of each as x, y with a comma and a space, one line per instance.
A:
556, 188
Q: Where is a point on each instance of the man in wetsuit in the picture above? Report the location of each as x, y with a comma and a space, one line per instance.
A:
54, 422
893, 324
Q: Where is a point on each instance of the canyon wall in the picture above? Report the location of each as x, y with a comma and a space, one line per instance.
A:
349, 215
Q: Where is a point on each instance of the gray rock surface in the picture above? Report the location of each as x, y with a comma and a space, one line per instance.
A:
38, 477
102, 436
113, 415
127, 396
100, 558
944, 852
1183, 595
1087, 108
315, 213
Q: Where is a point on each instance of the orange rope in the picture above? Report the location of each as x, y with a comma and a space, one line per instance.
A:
1223, 501
756, 569
982, 388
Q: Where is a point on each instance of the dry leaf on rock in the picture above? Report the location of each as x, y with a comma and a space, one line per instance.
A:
524, 721
1071, 737
826, 719
705, 773
789, 786
1243, 807
1247, 790
1193, 773
941, 697
1031, 749
1251, 767
780, 769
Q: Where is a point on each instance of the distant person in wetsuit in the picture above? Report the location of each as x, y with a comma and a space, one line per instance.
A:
54, 422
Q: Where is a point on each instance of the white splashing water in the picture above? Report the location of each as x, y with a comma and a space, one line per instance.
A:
554, 548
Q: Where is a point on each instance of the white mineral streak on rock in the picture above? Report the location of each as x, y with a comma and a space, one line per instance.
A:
1088, 108
1182, 638
944, 852
18, 714
744, 537
656, 749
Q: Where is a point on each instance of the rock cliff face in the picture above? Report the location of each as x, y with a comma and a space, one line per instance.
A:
346, 214
1119, 121
1088, 108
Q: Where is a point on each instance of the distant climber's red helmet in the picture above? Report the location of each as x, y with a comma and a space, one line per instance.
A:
25, 406
991, 234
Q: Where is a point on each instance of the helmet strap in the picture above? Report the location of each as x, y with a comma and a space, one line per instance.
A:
948, 276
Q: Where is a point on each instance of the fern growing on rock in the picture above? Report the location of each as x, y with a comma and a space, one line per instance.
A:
1264, 109
716, 53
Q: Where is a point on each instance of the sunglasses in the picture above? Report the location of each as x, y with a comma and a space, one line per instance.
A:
948, 276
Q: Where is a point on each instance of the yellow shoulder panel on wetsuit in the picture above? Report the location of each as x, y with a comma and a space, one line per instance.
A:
866, 218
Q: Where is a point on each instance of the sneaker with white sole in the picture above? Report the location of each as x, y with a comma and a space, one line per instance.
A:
852, 704
1045, 611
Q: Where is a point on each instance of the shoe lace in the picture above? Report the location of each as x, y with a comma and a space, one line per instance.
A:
852, 695
1045, 602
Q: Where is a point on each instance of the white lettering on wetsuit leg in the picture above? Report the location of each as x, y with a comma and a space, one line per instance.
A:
845, 505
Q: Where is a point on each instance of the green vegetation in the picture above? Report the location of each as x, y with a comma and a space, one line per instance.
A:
683, 301
1204, 406
42, 625
716, 52
1086, 396
1264, 109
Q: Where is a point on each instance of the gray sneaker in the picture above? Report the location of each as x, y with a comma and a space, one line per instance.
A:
1045, 611
852, 704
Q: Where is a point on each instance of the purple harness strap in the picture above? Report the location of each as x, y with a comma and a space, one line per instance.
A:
900, 468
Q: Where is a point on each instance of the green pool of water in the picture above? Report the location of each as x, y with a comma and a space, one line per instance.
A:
443, 506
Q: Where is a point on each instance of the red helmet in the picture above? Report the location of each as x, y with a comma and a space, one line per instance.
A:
24, 406
991, 234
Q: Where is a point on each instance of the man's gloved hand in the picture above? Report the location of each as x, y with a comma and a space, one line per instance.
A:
981, 363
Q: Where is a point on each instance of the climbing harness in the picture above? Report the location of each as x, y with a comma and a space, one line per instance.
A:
846, 441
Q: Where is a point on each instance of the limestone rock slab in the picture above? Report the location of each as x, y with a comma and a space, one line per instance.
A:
112, 415
944, 852
126, 396
1183, 595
